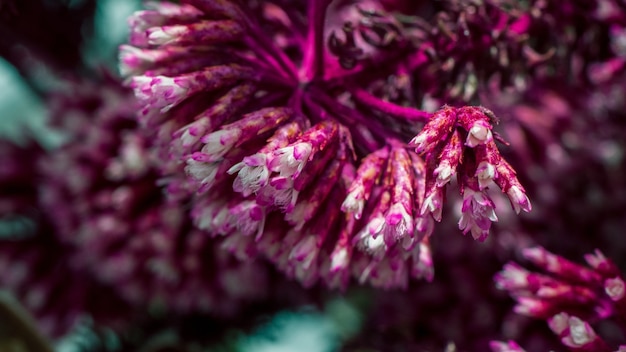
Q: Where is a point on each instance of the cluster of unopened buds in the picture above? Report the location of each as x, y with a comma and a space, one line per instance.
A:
570, 297
460, 141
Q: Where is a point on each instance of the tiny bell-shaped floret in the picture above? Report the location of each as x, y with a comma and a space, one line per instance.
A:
289, 161
478, 213
253, 171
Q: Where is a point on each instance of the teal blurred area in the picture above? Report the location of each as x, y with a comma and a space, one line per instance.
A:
110, 30
306, 330
22, 110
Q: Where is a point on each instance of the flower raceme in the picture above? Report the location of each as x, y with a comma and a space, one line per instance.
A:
289, 158
459, 141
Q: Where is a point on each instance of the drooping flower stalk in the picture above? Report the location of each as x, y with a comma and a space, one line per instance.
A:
313, 64
476, 162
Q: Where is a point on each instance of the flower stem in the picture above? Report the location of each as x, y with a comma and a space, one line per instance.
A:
313, 65
406, 113
353, 119
365, 142
263, 52
265, 47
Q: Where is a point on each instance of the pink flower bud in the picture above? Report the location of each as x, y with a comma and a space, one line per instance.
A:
615, 288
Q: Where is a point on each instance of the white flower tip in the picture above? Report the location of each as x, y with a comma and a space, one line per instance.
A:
615, 288
527, 306
373, 243
236, 168
534, 254
499, 346
187, 139
432, 204
477, 214
512, 276
129, 60
220, 142
192, 133
140, 83
353, 204
580, 332
159, 36
290, 160
399, 221
444, 173
559, 323
203, 172
519, 200
478, 134
479, 234
596, 259
424, 226
305, 251
485, 171
418, 142
339, 260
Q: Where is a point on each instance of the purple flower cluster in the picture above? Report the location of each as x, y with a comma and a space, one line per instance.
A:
252, 143
36, 266
43, 274
92, 232
101, 190
258, 101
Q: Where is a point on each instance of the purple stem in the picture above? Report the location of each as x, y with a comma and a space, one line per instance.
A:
265, 47
365, 141
406, 113
267, 44
351, 117
365, 69
264, 53
313, 65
